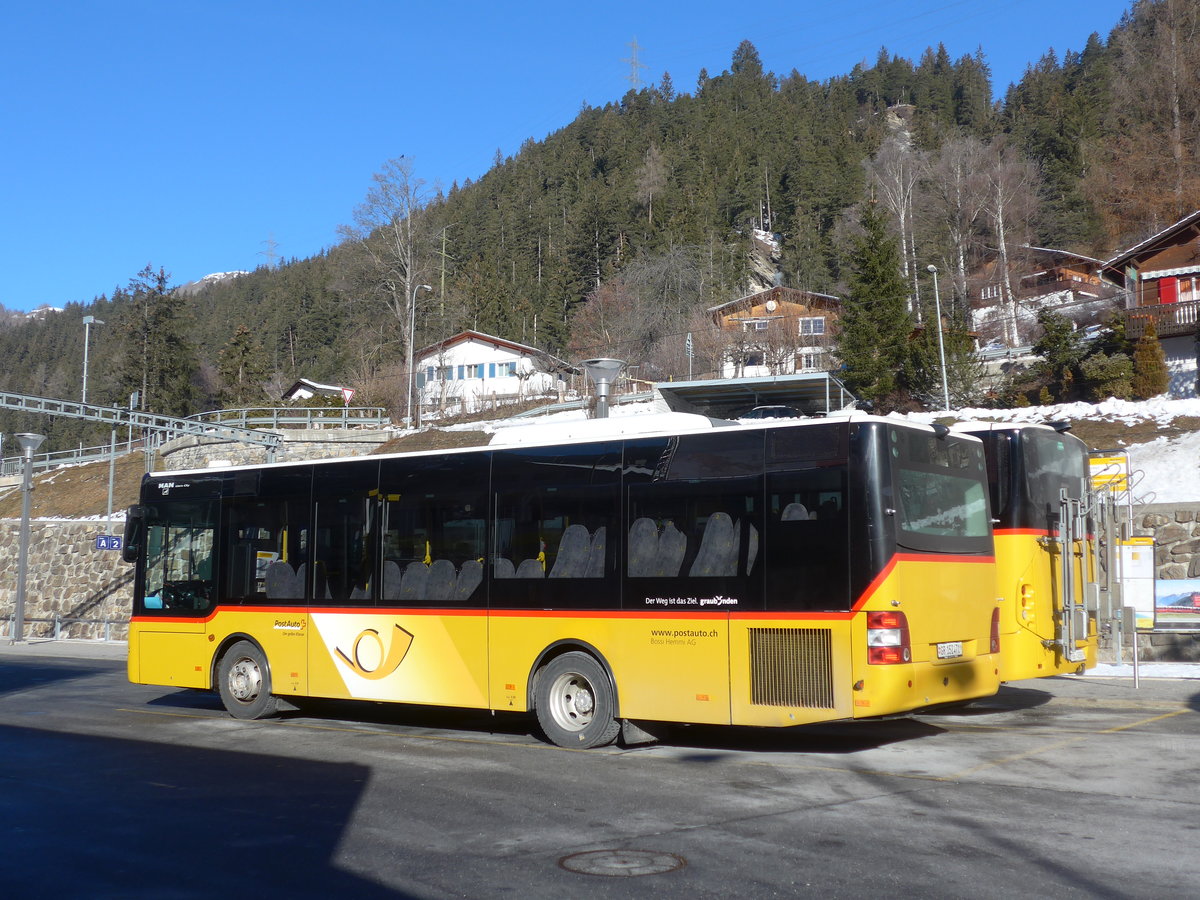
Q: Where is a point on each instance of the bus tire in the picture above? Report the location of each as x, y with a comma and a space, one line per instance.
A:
574, 702
244, 682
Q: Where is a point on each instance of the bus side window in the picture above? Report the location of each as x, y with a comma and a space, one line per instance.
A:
434, 529
806, 540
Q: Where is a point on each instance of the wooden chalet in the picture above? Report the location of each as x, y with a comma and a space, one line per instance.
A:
1068, 283
779, 331
1161, 279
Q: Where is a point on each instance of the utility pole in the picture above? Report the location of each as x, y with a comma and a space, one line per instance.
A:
270, 253
634, 77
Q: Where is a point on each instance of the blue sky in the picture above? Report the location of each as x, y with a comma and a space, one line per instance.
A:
190, 133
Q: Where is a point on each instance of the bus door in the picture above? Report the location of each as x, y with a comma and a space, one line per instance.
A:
268, 537
176, 596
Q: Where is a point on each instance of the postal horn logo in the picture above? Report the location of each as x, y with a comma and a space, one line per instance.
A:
373, 658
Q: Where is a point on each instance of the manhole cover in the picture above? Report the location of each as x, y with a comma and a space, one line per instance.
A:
626, 863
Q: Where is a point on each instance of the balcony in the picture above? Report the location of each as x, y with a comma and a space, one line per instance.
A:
1170, 319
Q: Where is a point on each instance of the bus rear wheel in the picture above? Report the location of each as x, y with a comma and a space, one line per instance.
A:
244, 682
574, 702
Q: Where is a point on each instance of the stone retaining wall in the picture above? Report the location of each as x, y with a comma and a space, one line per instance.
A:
66, 576
193, 452
1175, 528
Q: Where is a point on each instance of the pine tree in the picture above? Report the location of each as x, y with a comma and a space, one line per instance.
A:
874, 324
1150, 375
159, 360
242, 369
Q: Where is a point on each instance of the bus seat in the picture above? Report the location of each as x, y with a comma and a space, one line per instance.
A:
469, 578
717, 546
595, 560
282, 583
442, 578
794, 512
573, 550
672, 547
530, 568
751, 548
643, 548
391, 580
412, 584
503, 568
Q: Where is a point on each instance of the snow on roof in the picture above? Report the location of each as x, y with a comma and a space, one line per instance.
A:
582, 430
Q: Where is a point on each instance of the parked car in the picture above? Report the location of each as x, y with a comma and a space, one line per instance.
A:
773, 412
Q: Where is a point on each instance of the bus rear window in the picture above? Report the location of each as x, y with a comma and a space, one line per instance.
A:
940, 492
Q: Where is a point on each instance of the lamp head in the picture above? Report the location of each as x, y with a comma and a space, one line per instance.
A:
30, 442
931, 268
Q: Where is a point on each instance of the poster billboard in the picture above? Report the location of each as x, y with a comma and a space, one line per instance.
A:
1137, 579
1177, 603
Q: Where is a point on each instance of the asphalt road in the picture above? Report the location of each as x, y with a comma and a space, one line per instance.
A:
1061, 787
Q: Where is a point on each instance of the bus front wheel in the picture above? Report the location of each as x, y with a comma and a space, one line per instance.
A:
574, 702
244, 682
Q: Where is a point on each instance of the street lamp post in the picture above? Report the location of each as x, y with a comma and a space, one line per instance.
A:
88, 322
937, 303
29, 443
412, 335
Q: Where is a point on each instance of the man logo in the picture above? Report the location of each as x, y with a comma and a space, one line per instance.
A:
370, 659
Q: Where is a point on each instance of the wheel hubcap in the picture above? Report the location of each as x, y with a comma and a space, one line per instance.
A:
572, 702
245, 680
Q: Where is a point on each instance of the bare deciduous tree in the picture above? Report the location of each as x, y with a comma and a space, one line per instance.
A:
894, 172
954, 197
387, 232
1012, 191
651, 179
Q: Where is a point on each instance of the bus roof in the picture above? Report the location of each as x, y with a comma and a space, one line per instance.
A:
582, 431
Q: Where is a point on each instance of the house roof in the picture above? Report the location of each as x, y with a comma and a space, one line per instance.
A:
312, 387
784, 294
1152, 244
523, 349
1064, 253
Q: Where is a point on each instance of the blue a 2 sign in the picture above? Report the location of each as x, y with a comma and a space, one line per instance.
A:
108, 542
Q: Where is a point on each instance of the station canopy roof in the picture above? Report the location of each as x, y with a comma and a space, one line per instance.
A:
814, 394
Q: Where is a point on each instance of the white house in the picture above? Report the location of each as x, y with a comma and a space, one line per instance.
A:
471, 369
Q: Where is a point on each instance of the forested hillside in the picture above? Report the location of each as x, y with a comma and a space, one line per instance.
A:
613, 235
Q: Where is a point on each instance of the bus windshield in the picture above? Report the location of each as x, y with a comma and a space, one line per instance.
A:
179, 545
941, 493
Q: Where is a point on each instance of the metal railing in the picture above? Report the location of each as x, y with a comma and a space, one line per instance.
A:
249, 419
59, 622
287, 417
12, 465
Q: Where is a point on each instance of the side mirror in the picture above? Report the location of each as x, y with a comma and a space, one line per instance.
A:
135, 533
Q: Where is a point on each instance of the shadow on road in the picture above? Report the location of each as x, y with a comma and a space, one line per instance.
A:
27, 674
143, 819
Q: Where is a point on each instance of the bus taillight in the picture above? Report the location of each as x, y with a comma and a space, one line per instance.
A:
995, 642
887, 638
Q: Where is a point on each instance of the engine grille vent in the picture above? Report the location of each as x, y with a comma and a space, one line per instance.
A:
791, 667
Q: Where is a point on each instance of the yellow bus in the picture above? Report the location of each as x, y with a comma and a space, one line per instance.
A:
657, 568
1045, 547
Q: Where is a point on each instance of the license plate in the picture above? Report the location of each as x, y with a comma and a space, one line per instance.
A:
949, 650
